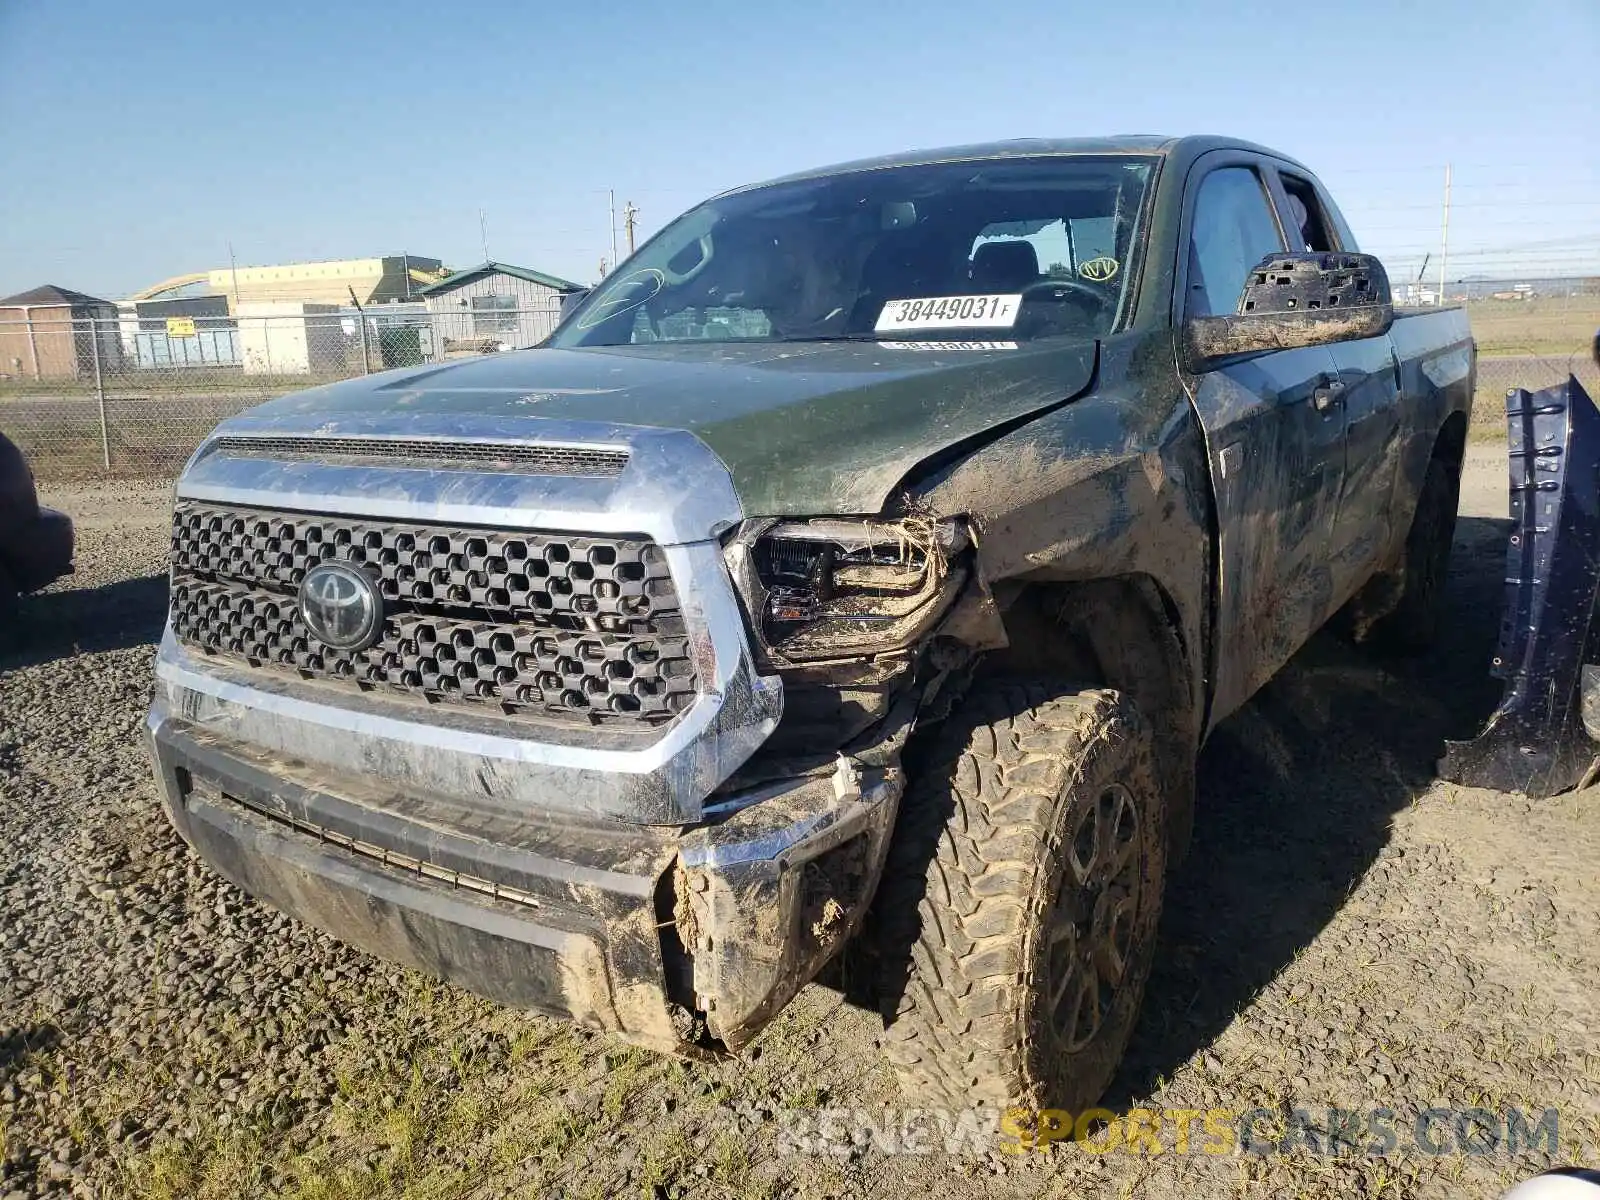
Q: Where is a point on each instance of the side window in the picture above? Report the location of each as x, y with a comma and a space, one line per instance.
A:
1308, 223
1347, 239
1233, 230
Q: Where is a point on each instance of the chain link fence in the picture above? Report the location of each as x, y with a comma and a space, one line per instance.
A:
134, 396
1530, 339
1498, 375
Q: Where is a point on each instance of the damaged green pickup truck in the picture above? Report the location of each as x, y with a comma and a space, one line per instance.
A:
866, 558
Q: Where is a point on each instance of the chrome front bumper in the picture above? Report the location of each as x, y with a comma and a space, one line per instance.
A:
637, 929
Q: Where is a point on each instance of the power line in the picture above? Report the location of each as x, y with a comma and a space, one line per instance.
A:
1501, 167
1500, 204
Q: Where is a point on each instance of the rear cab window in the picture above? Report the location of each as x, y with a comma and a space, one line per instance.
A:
1062, 248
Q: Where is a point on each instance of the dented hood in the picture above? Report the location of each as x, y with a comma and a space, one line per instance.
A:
805, 429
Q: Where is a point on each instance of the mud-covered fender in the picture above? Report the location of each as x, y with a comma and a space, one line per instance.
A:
1113, 485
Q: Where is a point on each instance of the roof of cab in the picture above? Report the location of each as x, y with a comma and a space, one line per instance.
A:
1147, 144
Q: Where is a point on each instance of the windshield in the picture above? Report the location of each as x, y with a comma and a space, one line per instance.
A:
1008, 249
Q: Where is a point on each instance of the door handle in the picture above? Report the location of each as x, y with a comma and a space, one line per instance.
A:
1327, 395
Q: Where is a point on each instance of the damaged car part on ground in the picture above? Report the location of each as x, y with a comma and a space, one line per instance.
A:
1544, 736
863, 563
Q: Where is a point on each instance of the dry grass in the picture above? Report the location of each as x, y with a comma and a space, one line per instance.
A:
1550, 327
179, 382
1496, 376
439, 1094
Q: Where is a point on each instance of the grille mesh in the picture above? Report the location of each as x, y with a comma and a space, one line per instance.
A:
520, 459
583, 629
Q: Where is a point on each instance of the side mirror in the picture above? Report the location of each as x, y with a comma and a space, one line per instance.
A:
1295, 300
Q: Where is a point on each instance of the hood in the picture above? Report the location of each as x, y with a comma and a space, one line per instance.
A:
808, 429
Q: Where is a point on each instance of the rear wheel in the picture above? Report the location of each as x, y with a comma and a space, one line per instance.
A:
9, 602
1413, 624
1025, 878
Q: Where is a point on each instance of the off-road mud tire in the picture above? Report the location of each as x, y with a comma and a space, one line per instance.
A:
986, 837
1413, 624
10, 602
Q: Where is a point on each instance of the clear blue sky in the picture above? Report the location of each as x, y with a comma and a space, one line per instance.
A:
137, 140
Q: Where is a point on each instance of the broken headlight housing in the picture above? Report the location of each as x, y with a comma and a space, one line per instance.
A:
836, 588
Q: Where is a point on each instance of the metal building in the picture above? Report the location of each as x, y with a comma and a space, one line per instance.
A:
150, 340
371, 280
54, 332
494, 303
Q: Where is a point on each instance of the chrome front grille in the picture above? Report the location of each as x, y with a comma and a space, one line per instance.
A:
577, 628
432, 454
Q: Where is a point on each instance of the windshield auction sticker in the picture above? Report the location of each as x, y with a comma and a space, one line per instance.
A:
950, 312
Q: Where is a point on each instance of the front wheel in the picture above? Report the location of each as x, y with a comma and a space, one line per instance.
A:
1025, 878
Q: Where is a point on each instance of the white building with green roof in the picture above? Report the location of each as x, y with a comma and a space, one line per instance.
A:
496, 302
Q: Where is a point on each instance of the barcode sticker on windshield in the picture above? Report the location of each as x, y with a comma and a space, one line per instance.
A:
923, 344
950, 312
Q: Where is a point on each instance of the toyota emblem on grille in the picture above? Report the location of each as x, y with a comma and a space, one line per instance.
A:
341, 606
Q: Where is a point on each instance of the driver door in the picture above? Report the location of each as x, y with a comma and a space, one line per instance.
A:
1275, 443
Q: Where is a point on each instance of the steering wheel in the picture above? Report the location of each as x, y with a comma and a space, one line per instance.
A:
1037, 290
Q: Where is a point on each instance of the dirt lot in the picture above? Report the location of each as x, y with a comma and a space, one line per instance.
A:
1347, 932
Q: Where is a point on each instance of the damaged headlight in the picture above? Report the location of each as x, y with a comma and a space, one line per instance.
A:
831, 588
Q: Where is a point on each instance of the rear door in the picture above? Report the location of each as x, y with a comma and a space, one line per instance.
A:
1276, 446
1366, 385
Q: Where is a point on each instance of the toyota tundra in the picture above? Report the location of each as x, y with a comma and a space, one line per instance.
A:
863, 561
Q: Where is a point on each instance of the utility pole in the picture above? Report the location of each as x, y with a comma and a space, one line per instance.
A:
361, 320
234, 264
630, 217
1444, 236
611, 196
483, 230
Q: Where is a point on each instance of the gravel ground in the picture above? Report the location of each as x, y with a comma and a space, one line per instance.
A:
1347, 932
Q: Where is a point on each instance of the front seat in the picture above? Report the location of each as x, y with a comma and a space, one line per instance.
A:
900, 267
1004, 267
